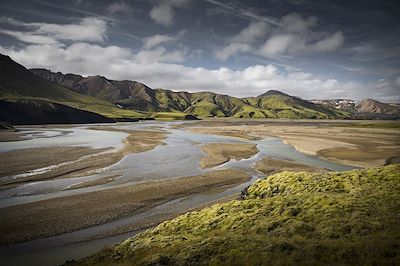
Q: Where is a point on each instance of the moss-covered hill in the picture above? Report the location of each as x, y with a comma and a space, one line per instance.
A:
344, 218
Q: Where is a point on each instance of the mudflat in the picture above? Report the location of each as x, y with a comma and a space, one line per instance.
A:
348, 142
219, 153
23, 160
79, 163
270, 166
66, 214
10, 135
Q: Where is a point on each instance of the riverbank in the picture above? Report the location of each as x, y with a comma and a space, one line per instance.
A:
269, 166
219, 153
338, 141
23, 160
70, 213
66, 162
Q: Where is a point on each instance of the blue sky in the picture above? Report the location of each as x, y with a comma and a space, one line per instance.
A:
311, 49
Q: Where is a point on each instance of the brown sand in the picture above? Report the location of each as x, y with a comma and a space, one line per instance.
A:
219, 153
338, 141
10, 135
270, 166
96, 182
59, 215
23, 160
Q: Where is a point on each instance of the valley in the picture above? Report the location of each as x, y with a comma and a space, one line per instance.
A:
198, 133
154, 172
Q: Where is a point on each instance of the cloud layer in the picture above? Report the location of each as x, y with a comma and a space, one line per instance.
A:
86, 29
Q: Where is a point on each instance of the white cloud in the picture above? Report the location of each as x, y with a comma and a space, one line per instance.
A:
276, 45
156, 40
330, 43
160, 54
232, 49
163, 13
150, 67
29, 37
294, 34
118, 7
87, 29
295, 23
251, 33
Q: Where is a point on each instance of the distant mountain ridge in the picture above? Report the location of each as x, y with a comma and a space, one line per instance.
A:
367, 108
42, 96
137, 96
373, 106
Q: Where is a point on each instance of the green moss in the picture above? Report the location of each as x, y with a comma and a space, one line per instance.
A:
247, 111
289, 218
169, 116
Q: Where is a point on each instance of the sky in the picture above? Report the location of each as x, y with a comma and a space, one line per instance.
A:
324, 49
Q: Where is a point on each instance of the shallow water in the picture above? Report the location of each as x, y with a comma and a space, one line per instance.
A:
179, 156
39, 137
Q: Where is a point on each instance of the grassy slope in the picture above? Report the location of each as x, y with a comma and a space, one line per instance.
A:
208, 104
19, 84
289, 218
283, 106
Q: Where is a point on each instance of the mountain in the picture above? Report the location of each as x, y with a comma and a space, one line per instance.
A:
375, 107
365, 109
335, 218
128, 99
285, 106
35, 112
134, 95
125, 93
339, 104
21, 91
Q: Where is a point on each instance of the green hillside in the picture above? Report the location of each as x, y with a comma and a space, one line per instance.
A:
286, 106
334, 218
137, 96
17, 84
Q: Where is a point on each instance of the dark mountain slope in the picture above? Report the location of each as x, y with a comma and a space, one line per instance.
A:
17, 84
34, 112
128, 94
